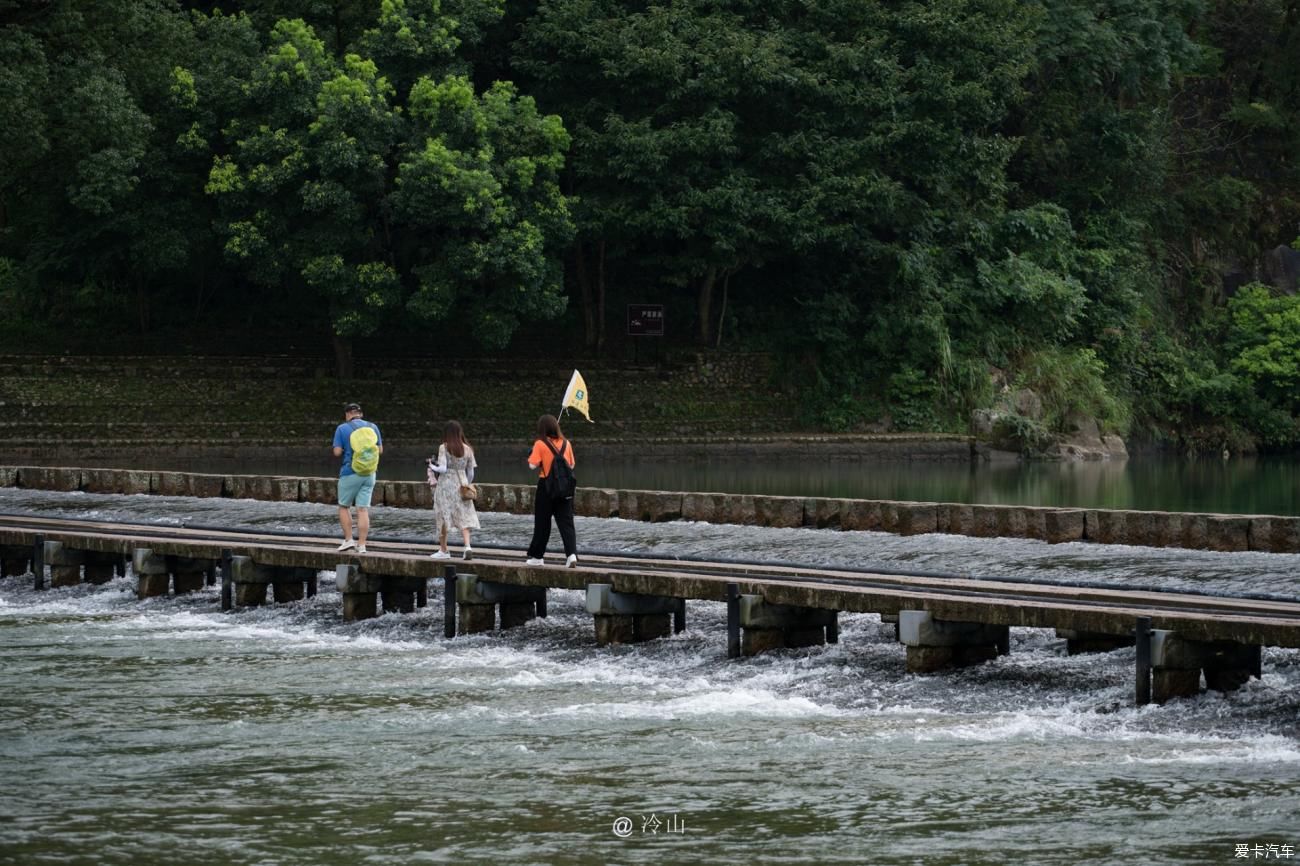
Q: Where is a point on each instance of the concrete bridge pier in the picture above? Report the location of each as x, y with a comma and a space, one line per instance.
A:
156, 573
360, 592
781, 626
99, 567
477, 602
366, 593
65, 564
402, 594
1177, 664
152, 576
625, 617
1078, 642
188, 575
289, 583
936, 644
14, 560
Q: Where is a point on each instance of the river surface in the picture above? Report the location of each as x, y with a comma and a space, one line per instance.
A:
166, 732
1264, 485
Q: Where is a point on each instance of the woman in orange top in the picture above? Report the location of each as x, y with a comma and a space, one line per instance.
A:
550, 443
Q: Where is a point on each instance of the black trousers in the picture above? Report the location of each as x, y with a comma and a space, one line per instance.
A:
544, 508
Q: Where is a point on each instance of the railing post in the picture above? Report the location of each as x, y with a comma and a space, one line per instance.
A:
449, 601
227, 578
38, 561
733, 621
1142, 633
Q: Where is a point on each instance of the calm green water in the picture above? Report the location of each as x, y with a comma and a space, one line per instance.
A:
1155, 483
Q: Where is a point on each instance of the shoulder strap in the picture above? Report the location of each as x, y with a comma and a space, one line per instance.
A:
547, 443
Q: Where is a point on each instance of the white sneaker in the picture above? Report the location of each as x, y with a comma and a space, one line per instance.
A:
467, 553
440, 554
534, 561
361, 548
571, 561
347, 545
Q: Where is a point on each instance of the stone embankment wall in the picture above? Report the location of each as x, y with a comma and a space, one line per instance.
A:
158, 404
1223, 532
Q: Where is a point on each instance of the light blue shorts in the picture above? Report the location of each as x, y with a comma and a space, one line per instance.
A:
355, 490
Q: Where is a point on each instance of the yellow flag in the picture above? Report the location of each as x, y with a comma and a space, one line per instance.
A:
575, 396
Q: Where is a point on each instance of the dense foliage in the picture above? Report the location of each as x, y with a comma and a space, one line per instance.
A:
924, 207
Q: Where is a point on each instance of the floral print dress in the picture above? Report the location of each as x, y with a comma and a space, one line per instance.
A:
449, 510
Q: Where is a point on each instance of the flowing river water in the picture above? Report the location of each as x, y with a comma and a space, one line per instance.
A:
166, 732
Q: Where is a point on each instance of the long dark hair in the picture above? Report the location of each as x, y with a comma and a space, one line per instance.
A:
454, 438
549, 426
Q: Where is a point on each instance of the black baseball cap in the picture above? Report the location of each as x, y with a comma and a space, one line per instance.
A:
351, 407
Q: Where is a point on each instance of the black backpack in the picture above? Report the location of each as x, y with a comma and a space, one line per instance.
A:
559, 482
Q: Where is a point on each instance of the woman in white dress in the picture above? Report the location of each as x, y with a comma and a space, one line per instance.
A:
455, 464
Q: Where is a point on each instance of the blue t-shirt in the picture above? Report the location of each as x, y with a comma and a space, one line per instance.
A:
342, 437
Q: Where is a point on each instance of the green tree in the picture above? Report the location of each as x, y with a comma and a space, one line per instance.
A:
89, 203
364, 201
1264, 343
715, 138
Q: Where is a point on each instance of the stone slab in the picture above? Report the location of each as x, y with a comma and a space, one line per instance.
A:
600, 502
778, 511
917, 518
1063, 525
406, 494
1275, 534
955, 518
49, 478
121, 481
984, 521
188, 484
1106, 527
1227, 533
323, 491
823, 513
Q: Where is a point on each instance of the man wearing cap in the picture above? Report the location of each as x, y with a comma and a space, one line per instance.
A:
354, 489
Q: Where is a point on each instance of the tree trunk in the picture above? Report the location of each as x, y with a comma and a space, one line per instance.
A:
704, 326
342, 357
142, 306
593, 296
584, 285
600, 298
722, 312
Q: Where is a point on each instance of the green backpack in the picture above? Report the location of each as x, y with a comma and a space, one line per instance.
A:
365, 450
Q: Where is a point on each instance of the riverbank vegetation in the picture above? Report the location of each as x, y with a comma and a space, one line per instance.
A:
926, 209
